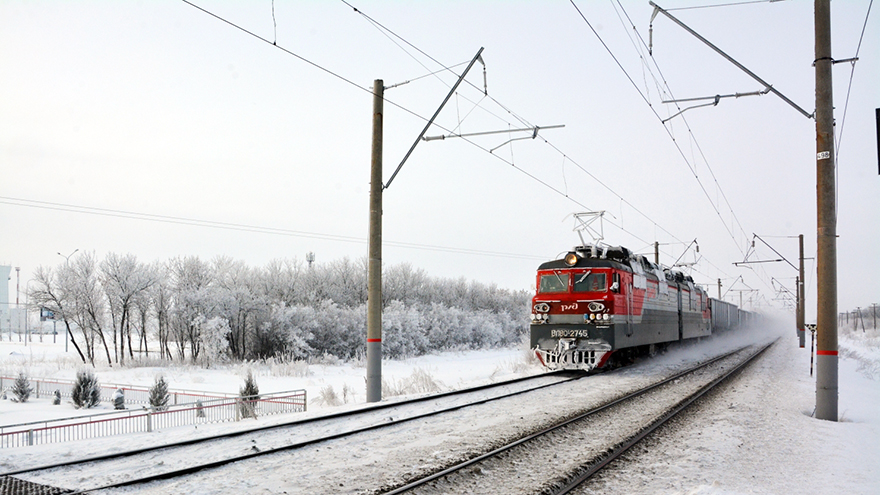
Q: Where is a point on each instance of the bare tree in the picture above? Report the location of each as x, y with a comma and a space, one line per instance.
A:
49, 293
124, 280
90, 306
161, 300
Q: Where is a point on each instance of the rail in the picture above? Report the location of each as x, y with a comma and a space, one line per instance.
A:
149, 419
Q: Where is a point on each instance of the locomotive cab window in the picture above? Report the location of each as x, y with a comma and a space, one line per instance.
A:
589, 281
553, 282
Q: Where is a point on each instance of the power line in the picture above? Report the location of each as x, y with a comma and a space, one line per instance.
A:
132, 215
695, 142
668, 130
731, 4
516, 116
523, 121
849, 86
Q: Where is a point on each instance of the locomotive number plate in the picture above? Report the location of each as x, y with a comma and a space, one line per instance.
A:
569, 332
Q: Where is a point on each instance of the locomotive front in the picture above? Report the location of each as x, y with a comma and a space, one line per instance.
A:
575, 308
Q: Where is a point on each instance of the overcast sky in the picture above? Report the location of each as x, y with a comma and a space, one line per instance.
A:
123, 123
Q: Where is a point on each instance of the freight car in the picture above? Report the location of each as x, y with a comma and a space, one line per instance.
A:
600, 304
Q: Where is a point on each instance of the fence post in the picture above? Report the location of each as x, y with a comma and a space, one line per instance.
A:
238, 404
149, 420
30, 437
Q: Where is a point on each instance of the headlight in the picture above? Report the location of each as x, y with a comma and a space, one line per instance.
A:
606, 316
596, 307
542, 308
571, 259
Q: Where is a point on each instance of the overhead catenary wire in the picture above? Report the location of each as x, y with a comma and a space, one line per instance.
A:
510, 112
505, 108
665, 89
525, 122
729, 4
669, 131
849, 85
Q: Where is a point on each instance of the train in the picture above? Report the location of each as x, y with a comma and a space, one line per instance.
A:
600, 306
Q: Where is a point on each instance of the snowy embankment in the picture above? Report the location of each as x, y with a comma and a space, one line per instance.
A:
758, 437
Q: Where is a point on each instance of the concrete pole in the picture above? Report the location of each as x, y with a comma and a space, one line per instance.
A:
801, 294
719, 289
656, 253
874, 313
797, 310
374, 270
826, 308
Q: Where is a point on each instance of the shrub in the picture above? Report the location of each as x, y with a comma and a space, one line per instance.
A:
252, 392
22, 388
119, 399
159, 394
328, 397
86, 392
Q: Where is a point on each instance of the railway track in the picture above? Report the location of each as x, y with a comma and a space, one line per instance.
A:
180, 459
560, 458
377, 449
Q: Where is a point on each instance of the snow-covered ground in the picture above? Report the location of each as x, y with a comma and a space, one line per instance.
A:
760, 439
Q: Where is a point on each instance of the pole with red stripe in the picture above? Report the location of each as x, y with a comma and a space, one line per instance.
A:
826, 206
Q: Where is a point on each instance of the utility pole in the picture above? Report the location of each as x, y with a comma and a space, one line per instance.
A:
657, 255
826, 308
374, 270
18, 307
800, 294
874, 313
719, 289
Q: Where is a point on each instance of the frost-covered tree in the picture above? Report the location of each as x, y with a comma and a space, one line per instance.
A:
21, 388
86, 391
283, 310
161, 301
289, 327
403, 333
194, 295
159, 394
124, 280
281, 281
215, 339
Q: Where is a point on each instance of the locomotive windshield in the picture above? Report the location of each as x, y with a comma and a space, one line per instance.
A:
554, 282
590, 282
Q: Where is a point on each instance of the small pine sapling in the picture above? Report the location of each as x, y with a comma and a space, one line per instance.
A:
86, 391
251, 392
159, 394
119, 399
56, 399
22, 388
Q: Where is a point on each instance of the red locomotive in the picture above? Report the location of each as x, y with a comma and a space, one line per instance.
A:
600, 301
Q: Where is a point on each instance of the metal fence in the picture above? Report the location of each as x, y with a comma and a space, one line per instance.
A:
133, 395
147, 420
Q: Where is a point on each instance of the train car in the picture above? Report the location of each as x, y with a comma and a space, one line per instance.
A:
724, 315
600, 301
